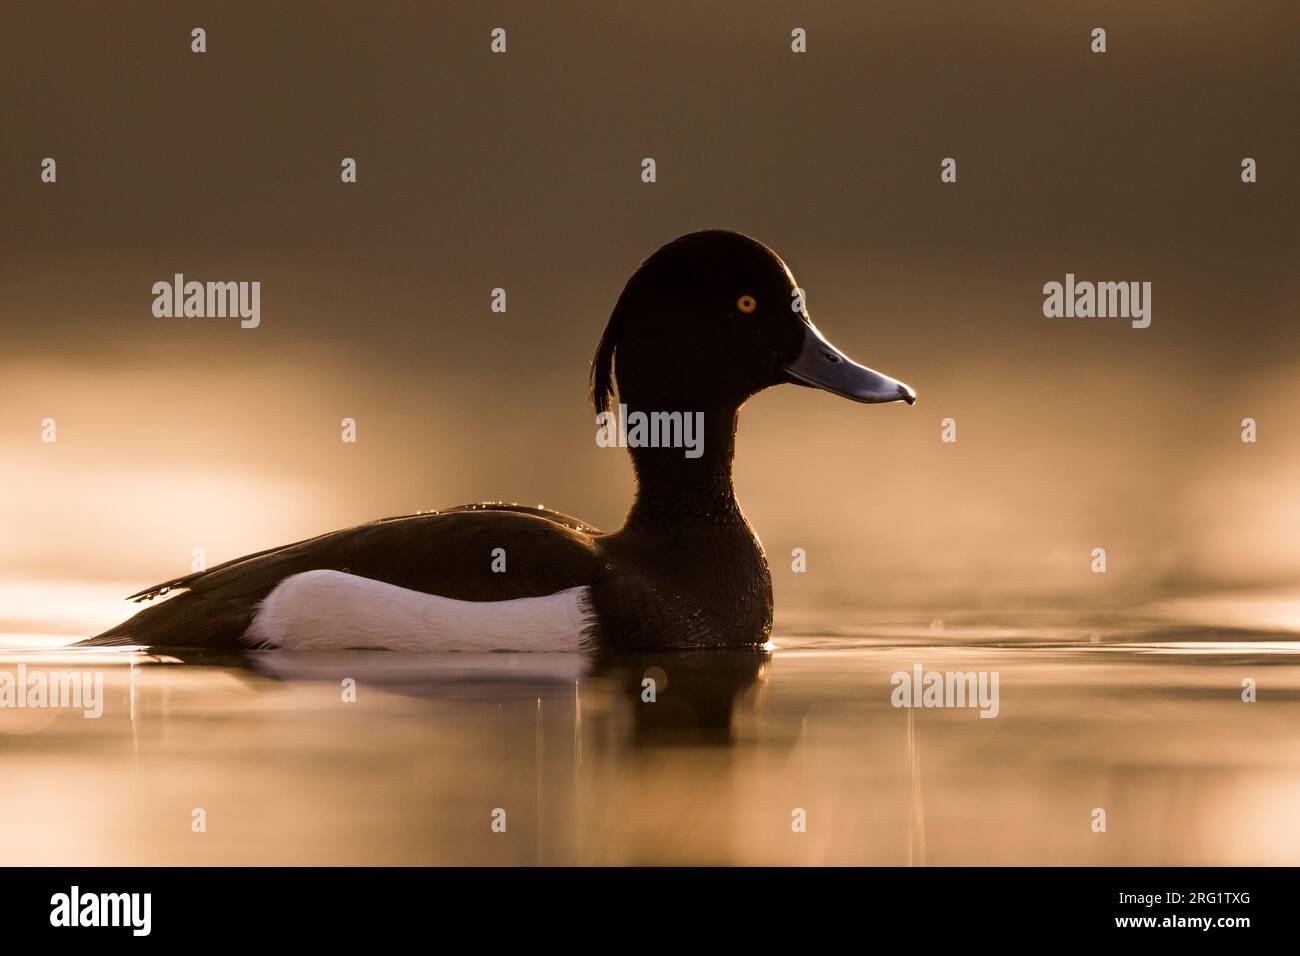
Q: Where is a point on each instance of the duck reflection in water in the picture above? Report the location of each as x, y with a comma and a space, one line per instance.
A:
674, 698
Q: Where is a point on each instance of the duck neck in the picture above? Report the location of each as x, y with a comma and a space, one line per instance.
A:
690, 484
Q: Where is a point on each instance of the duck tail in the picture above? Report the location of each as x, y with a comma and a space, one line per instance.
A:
185, 620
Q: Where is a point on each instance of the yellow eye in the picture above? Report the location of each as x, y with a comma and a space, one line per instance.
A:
746, 304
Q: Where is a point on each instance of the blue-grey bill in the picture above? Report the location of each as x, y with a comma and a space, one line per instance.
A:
821, 365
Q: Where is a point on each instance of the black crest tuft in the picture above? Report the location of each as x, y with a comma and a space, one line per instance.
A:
603, 382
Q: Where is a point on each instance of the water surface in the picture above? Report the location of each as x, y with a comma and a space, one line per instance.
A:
1142, 718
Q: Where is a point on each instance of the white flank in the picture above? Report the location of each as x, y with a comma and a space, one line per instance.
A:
332, 610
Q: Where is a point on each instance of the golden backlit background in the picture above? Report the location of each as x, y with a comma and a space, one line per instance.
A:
522, 171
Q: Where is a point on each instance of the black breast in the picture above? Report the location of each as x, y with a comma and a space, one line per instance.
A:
693, 586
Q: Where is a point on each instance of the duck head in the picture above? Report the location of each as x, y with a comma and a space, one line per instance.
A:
713, 318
